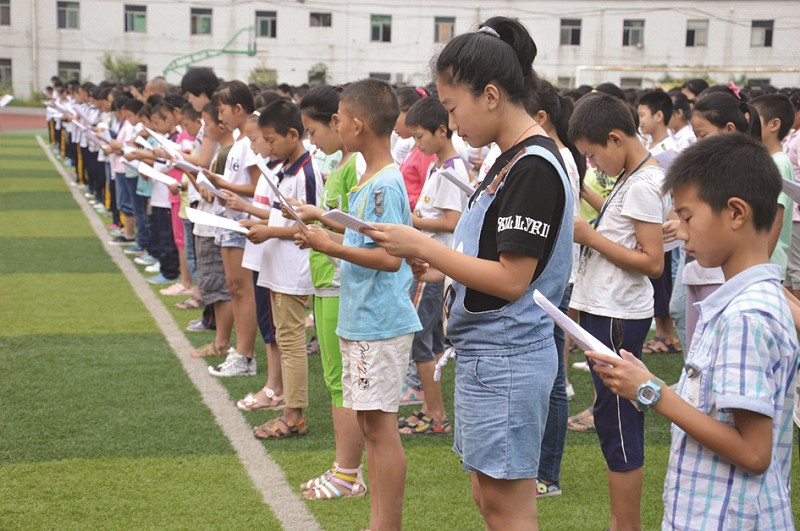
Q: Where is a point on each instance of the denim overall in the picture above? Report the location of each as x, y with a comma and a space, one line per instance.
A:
507, 358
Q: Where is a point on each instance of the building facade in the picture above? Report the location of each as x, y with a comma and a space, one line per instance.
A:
632, 43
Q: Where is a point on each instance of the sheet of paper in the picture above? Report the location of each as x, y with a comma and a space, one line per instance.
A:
5, 100
586, 340
203, 181
792, 189
169, 146
187, 166
144, 143
349, 221
268, 174
132, 164
128, 149
453, 178
205, 218
78, 125
674, 244
154, 174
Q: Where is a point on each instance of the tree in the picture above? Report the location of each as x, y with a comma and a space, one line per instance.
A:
263, 76
119, 68
318, 74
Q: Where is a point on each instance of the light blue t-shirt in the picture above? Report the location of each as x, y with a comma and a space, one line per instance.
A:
375, 304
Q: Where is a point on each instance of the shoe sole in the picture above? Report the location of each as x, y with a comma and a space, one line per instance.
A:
221, 375
548, 495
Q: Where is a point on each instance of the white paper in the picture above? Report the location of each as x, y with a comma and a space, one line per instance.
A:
154, 174
206, 218
132, 164
674, 244
466, 188
5, 100
185, 165
128, 149
169, 146
586, 340
792, 189
144, 143
268, 176
203, 181
78, 125
349, 221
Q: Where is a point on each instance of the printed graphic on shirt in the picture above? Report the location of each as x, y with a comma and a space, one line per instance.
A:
523, 223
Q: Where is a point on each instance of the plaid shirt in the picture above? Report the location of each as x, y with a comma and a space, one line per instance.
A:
743, 356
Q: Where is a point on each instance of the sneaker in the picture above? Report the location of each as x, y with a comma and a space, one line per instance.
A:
122, 240
155, 267
411, 396
145, 260
197, 325
581, 366
159, 279
570, 391
133, 250
543, 490
89, 196
176, 289
115, 232
234, 365
100, 209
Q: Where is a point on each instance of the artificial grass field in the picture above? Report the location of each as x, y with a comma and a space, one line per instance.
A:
99, 426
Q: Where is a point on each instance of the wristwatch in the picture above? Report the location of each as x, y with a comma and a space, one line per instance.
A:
648, 394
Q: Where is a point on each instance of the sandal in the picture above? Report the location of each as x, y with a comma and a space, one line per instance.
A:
659, 345
189, 304
280, 428
583, 422
428, 426
412, 420
319, 480
329, 490
251, 402
209, 351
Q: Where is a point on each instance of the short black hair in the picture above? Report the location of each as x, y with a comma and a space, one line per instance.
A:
265, 97
321, 103
200, 80
500, 52
234, 93
772, 106
375, 102
188, 111
681, 103
657, 100
430, 114
611, 89
282, 115
133, 105
408, 96
726, 166
695, 86
596, 115
212, 112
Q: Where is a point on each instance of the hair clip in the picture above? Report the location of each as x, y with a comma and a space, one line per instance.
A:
256, 114
735, 89
489, 31
422, 92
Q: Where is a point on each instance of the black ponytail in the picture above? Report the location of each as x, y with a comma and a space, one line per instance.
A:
501, 52
321, 103
722, 108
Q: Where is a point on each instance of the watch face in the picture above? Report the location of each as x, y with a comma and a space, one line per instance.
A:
648, 393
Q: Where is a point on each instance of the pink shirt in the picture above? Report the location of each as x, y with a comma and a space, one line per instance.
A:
415, 170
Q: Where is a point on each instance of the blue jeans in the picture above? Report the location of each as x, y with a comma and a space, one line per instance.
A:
555, 431
143, 237
164, 243
188, 241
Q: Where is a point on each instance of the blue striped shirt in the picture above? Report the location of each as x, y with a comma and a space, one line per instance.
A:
743, 356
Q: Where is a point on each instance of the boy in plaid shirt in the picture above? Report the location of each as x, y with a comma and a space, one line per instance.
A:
732, 413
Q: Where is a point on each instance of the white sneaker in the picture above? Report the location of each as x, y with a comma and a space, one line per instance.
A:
570, 392
234, 365
581, 366
154, 268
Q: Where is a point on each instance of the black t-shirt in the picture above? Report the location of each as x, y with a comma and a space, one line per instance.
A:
524, 217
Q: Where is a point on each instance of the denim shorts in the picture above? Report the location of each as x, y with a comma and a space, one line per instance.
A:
230, 238
430, 305
501, 405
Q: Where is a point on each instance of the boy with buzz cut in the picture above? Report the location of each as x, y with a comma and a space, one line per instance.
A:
655, 113
777, 116
377, 320
612, 290
730, 456
285, 269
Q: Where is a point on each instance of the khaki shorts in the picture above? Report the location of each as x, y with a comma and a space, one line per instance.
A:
373, 372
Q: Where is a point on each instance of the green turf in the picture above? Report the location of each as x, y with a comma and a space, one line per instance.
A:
38, 200
22, 184
74, 255
43, 223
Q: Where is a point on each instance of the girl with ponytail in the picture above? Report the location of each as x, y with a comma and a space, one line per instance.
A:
514, 238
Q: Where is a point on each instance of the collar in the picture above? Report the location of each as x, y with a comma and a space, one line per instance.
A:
304, 159
715, 303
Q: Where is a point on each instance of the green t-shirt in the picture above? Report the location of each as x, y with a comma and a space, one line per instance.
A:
600, 183
780, 256
324, 270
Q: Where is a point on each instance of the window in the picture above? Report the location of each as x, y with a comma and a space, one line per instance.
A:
697, 33
201, 21
633, 33
68, 15
383, 76
758, 82
761, 33
444, 29
135, 19
320, 20
5, 12
267, 24
68, 70
5, 73
141, 74
564, 82
570, 32
381, 28
630, 83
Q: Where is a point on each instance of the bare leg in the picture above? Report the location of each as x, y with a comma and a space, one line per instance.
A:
240, 286
433, 405
274, 375
349, 440
665, 328
506, 505
223, 313
186, 277
387, 468
625, 491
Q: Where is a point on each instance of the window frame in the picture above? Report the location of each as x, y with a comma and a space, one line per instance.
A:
68, 12
134, 13
321, 18
6, 72
69, 66
573, 30
383, 25
632, 27
196, 16
700, 25
438, 23
271, 19
765, 29
5, 12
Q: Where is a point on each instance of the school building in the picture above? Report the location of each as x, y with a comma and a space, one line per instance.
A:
632, 43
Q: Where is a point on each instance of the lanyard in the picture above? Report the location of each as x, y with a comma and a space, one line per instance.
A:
617, 187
